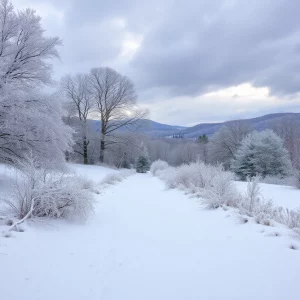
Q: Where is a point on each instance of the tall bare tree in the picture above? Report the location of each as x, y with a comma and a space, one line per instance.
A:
288, 128
115, 99
76, 90
225, 142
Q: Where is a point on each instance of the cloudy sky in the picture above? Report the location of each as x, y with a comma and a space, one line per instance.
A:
192, 61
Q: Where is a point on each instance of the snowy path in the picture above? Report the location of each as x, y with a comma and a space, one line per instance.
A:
146, 243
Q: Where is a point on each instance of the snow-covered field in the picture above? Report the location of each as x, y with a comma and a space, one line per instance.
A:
146, 242
95, 173
285, 196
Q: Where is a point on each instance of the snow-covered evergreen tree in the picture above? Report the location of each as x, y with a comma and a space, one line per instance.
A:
143, 162
261, 154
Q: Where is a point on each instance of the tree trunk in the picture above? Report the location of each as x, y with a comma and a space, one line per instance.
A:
102, 148
67, 154
85, 151
205, 153
85, 144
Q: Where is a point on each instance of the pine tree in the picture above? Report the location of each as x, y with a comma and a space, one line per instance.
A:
261, 154
202, 139
143, 162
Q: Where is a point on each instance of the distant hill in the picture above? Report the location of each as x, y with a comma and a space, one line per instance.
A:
146, 126
156, 129
259, 123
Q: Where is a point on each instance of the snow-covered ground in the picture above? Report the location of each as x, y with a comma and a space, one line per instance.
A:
95, 173
285, 196
146, 242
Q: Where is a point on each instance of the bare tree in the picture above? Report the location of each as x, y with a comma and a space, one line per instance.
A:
77, 92
115, 98
125, 151
288, 128
225, 142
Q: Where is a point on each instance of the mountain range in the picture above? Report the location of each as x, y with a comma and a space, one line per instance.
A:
161, 130
155, 129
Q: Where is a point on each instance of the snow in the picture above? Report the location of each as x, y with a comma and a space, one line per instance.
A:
146, 242
95, 173
285, 196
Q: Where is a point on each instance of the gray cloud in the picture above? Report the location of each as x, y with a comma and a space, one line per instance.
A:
188, 48
198, 47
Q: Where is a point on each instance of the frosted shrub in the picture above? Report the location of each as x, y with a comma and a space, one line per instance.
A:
289, 217
64, 197
220, 191
252, 197
42, 193
165, 174
112, 178
182, 178
216, 188
158, 165
253, 204
211, 183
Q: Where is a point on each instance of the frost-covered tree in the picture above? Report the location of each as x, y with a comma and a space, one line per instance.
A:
29, 119
261, 154
225, 142
80, 102
143, 162
33, 123
24, 49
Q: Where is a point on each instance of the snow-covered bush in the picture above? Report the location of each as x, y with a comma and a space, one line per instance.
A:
182, 177
114, 178
211, 183
263, 154
158, 165
252, 197
41, 193
216, 189
289, 217
253, 204
221, 192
